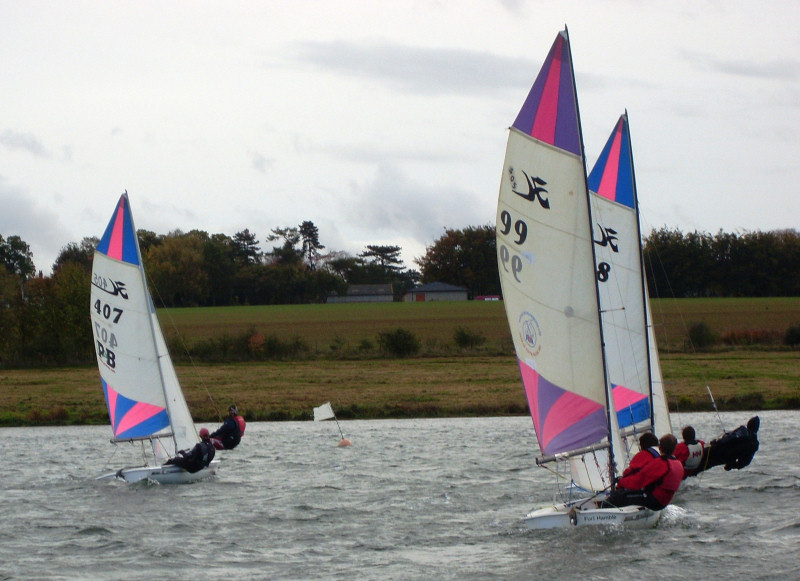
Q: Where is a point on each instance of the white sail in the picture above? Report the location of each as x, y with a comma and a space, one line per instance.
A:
550, 269
661, 417
142, 391
631, 354
546, 261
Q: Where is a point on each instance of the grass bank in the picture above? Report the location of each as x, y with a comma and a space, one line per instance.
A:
444, 380
384, 388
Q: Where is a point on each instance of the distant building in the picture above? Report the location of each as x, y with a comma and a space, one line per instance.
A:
436, 291
365, 293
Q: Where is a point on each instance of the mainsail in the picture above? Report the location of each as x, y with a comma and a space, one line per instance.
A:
631, 355
547, 266
141, 388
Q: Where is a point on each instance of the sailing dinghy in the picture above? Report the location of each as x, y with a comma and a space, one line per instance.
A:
548, 273
144, 398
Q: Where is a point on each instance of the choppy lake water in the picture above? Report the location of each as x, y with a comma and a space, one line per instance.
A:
412, 499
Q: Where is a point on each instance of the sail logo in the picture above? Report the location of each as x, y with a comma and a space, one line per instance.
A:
535, 189
530, 333
608, 238
112, 287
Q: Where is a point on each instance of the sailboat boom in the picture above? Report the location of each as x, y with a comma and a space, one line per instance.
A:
572, 453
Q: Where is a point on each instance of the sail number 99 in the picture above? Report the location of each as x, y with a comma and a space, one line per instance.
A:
107, 311
520, 227
514, 261
510, 263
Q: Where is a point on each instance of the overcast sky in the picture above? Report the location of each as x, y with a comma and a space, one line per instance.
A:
383, 122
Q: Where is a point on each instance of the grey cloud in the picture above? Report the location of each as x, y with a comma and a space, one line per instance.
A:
392, 205
261, 163
23, 141
780, 70
421, 70
37, 225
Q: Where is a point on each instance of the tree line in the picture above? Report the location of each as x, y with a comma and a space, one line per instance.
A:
43, 319
698, 264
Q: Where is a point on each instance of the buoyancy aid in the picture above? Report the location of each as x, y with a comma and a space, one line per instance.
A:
640, 460
695, 455
668, 485
240, 422
208, 452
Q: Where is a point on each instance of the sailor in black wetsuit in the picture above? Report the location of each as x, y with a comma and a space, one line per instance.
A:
734, 449
199, 457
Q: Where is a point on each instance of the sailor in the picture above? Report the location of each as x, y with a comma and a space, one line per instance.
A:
655, 484
734, 449
201, 455
230, 433
690, 452
648, 450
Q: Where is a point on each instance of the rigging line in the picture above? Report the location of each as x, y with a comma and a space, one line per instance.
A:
715, 408
183, 344
558, 474
595, 495
111, 458
678, 411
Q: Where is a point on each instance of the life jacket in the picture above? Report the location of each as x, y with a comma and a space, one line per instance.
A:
668, 485
208, 452
640, 460
241, 424
695, 456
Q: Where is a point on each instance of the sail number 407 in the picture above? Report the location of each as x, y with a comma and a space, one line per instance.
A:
107, 311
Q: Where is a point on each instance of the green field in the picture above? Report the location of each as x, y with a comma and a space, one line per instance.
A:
435, 322
443, 381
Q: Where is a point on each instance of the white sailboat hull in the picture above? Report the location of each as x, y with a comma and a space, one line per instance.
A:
566, 516
165, 474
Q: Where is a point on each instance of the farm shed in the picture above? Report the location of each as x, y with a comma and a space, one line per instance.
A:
436, 291
365, 293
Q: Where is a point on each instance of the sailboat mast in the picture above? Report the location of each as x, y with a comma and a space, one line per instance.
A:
610, 412
648, 373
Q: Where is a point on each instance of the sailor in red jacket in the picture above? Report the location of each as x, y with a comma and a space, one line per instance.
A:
690, 452
655, 484
648, 450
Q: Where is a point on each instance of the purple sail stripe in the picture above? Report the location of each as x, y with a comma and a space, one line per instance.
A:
550, 112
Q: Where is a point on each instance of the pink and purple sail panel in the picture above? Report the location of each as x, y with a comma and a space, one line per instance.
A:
563, 420
119, 239
133, 419
550, 113
632, 407
612, 175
